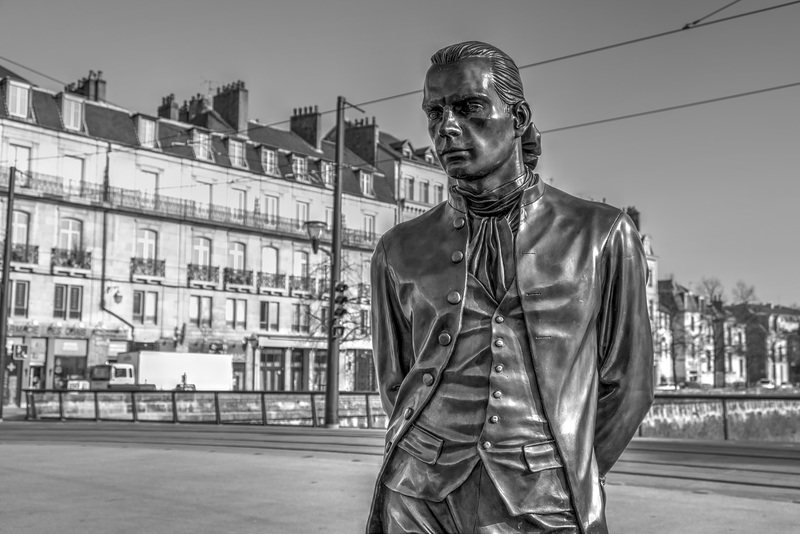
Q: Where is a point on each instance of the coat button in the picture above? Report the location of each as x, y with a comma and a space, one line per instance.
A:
454, 297
457, 256
427, 379
409, 412
487, 445
499, 368
499, 343
494, 419
496, 395
459, 222
444, 338
499, 319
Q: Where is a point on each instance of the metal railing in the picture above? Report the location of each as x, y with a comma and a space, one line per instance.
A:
71, 259
239, 277
300, 408
202, 273
148, 267
271, 280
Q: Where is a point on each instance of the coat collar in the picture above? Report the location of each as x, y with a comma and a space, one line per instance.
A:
533, 193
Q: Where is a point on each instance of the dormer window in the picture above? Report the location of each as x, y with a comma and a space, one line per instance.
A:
366, 184
406, 151
236, 153
18, 100
429, 157
202, 145
300, 168
327, 173
269, 161
147, 132
73, 114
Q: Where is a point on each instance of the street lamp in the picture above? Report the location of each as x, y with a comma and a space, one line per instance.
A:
314, 231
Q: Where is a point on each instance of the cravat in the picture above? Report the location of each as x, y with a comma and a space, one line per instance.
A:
495, 216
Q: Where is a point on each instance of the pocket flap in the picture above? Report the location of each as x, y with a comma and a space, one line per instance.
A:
541, 456
422, 445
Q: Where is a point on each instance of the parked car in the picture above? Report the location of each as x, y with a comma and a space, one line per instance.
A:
765, 383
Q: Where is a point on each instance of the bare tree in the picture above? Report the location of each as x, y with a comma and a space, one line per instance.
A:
743, 293
711, 288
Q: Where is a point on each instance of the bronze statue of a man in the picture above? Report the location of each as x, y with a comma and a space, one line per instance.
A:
510, 328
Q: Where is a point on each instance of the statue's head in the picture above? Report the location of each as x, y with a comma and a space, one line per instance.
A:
477, 114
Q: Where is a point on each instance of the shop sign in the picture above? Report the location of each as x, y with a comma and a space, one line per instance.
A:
70, 347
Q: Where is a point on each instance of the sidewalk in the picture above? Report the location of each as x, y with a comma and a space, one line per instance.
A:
168, 489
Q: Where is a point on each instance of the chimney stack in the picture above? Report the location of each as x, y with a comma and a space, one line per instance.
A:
168, 108
307, 123
231, 102
92, 88
361, 136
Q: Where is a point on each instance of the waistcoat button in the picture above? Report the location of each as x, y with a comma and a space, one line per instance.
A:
487, 445
494, 419
457, 256
499, 319
499, 343
409, 413
444, 338
496, 395
499, 367
454, 297
427, 379
459, 222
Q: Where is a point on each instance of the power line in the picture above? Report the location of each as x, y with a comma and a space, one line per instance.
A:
701, 19
672, 108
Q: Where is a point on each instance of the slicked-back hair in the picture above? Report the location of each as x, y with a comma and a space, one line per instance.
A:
505, 73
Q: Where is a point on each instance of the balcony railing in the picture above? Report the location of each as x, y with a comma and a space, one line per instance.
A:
71, 259
202, 273
271, 280
148, 267
51, 186
23, 253
301, 283
239, 277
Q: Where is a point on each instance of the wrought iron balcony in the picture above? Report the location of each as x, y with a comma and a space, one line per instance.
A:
71, 259
148, 267
359, 237
301, 283
202, 273
271, 280
239, 277
25, 253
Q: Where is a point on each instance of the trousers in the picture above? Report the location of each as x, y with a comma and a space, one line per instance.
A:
474, 508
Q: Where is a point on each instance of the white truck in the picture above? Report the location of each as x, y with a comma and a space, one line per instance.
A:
142, 370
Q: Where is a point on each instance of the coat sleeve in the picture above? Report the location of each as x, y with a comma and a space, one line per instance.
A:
625, 359
391, 331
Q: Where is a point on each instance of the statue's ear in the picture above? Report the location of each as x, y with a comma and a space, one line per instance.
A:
523, 117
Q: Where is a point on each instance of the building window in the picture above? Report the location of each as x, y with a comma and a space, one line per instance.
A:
366, 184
327, 173
145, 307
73, 114
202, 145
438, 193
365, 327
147, 132
271, 208
236, 153
300, 318
237, 256
269, 260
369, 224
20, 229
296, 370
269, 316
320, 370
70, 234
236, 313
68, 302
147, 183
406, 151
146, 244
200, 311
272, 365
269, 161
18, 298
201, 251
21, 158
18, 100
409, 189
301, 211
238, 200
301, 264
73, 171
300, 168
429, 157
423, 192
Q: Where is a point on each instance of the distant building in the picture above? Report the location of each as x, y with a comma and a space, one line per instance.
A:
182, 230
772, 344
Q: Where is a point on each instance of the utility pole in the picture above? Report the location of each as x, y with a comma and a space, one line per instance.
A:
4, 290
332, 381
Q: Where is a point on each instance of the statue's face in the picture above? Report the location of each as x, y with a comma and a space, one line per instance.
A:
470, 126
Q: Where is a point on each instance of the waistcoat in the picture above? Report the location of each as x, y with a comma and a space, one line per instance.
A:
486, 409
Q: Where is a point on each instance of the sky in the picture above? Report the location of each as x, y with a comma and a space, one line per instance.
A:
717, 184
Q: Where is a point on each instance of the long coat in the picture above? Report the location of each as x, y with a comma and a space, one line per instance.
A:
581, 276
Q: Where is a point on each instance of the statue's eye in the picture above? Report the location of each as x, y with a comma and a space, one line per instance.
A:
434, 114
472, 107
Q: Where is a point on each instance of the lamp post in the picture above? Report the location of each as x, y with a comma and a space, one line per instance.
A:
4, 290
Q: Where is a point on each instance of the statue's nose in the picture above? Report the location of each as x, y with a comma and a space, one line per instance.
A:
449, 126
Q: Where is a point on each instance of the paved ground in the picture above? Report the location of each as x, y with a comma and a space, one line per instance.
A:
50, 488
